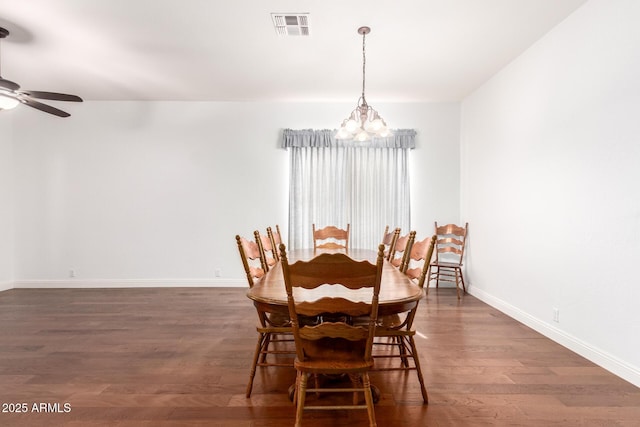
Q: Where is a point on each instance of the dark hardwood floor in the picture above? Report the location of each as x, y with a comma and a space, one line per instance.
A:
181, 357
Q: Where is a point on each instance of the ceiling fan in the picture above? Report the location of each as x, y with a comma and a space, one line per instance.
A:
11, 95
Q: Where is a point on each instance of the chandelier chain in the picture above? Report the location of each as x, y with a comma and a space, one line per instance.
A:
364, 63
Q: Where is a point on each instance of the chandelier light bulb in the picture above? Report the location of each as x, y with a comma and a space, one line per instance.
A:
343, 133
384, 132
374, 125
362, 136
351, 125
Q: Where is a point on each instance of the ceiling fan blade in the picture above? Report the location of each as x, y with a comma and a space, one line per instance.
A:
51, 95
8, 84
44, 107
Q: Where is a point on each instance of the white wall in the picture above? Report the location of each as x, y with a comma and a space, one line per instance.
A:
435, 169
6, 202
153, 193
550, 172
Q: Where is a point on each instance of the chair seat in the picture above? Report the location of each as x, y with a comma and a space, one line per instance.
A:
333, 366
395, 332
446, 264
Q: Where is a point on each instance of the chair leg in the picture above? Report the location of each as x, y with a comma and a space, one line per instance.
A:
252, 374
316, 383
464, 288
405, 360
296, 387
458, 275
302, 390
368, 398
416, 360
265, 347
355, 383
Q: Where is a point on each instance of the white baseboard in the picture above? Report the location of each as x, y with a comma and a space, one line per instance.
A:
616, 366
5, 286
130, 283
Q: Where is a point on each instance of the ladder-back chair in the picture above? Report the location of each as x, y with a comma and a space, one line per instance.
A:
447, 266
330, 237
272, 328
333, 346
389, 239
267, 250
400, 327
401, 249
276, 238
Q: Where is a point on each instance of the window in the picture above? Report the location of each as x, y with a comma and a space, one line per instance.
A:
337, 182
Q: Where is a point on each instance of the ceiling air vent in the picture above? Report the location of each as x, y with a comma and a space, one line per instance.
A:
291, 24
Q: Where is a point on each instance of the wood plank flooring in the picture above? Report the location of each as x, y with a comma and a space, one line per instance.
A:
181, 357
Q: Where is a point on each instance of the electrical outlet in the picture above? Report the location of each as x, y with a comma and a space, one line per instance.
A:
217, 272
72, 273
556, 314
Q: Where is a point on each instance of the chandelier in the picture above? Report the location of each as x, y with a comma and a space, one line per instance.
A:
364, 122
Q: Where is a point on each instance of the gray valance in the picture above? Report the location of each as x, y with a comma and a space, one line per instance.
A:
401, 138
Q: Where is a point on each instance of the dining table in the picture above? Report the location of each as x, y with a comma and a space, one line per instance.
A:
398, 294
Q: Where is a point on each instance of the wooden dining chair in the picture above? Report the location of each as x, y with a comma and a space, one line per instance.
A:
276, 238
398, 328
268, 252
333, 346
447, 265
330, 237
401, 248
418, 261
273, 327
389, 239
251, 259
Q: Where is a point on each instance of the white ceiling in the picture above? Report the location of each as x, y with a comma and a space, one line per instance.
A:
418, 50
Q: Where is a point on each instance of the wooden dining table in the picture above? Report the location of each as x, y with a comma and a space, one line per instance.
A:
398, 294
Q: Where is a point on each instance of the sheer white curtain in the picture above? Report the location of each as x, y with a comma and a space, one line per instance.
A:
337, 182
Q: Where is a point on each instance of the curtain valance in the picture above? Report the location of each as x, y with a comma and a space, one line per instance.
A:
401, 138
